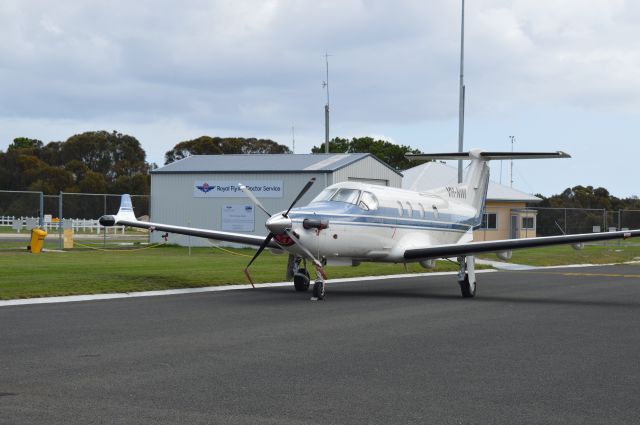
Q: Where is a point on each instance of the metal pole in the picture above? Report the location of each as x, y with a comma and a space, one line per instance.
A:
565, 221
512, 139
326, 128
104, 234
326, 107
462, 92
60, 220
41, 210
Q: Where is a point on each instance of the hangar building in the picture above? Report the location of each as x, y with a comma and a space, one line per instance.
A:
202, 190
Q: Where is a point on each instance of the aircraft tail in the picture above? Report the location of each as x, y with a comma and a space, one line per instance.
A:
473, 189
125, 213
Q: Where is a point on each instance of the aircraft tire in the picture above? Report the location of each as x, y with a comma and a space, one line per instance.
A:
318, 290
465, 287
301, 280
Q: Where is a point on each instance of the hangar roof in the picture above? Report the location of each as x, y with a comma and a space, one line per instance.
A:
437, 174
271, 163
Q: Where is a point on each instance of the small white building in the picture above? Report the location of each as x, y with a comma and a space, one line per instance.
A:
202, 190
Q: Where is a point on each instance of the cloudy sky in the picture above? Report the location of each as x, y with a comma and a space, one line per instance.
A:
556, 74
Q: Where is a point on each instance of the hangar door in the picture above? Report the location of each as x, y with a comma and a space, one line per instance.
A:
379, 182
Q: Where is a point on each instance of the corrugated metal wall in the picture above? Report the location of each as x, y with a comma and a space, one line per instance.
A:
172, 200
367, 168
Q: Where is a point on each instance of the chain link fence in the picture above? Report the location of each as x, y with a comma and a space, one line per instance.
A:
20, 211
75, 212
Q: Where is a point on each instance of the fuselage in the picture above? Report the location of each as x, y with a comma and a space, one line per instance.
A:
376, 223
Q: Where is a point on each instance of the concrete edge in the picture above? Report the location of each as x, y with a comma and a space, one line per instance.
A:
111, 296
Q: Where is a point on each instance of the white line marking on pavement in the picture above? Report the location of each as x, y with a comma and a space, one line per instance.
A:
74, 298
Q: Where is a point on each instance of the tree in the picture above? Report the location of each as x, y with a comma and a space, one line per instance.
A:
390, 153
205, 145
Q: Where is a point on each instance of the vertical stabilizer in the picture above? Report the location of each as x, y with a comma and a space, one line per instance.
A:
126, 209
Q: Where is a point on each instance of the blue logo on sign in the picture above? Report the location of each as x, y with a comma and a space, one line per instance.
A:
205, 187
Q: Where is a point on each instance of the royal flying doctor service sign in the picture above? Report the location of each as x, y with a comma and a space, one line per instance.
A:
230, 189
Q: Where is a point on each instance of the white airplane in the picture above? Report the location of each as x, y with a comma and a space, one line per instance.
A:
350, 222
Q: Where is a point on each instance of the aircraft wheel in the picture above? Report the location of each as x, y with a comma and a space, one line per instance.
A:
318, 290
468, 290
301, 280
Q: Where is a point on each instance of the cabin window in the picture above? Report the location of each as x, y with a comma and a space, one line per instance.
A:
489, 221
349, 196
528, 223
435, 211
409, 209
325, 195
368, 201
400, 211
421, 210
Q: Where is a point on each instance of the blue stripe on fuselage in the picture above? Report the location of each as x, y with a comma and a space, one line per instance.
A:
344, 213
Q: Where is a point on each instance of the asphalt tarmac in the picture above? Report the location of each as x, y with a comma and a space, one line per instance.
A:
554, 346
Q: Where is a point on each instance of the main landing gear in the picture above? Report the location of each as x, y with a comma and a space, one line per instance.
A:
467, 276
301, 277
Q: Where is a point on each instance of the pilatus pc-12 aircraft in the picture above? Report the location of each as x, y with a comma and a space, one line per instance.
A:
350, 222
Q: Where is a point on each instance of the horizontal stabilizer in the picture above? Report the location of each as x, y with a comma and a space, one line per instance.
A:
487, 156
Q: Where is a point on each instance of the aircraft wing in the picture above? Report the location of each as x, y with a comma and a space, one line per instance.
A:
126, 217
472, 248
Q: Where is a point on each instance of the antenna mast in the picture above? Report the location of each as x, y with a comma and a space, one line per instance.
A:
462, 92
325, 85
293, 138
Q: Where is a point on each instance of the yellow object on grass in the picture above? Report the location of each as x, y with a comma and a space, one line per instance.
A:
37, 240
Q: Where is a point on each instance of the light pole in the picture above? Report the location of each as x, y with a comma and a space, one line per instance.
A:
461, 105
513, 138
325, 85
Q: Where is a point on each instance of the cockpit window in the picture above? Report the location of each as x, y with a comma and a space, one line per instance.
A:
346, 195
368, 201
325, 195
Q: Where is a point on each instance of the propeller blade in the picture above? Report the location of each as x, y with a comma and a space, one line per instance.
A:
317, 263
253, 198
301, 194
258, 252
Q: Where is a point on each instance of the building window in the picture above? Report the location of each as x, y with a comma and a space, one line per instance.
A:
489, 221
528, 223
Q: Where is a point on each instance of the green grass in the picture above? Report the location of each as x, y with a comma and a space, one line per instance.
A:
563, 255
88, 271
75, 272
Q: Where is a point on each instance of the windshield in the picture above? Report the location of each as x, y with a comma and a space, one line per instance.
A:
325, 195
346, 195
338, 195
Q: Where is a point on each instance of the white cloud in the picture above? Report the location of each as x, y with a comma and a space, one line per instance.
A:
250, 68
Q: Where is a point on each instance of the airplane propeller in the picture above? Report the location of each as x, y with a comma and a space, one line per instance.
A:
280, 225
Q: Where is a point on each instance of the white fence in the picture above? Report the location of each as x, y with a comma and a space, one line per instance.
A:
77, 224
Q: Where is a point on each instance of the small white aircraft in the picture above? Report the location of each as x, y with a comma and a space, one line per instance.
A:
350, 222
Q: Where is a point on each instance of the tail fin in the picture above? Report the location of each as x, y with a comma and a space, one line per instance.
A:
473, 189
125, 213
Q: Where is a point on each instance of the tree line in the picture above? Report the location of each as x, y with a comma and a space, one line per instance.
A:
112, 162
